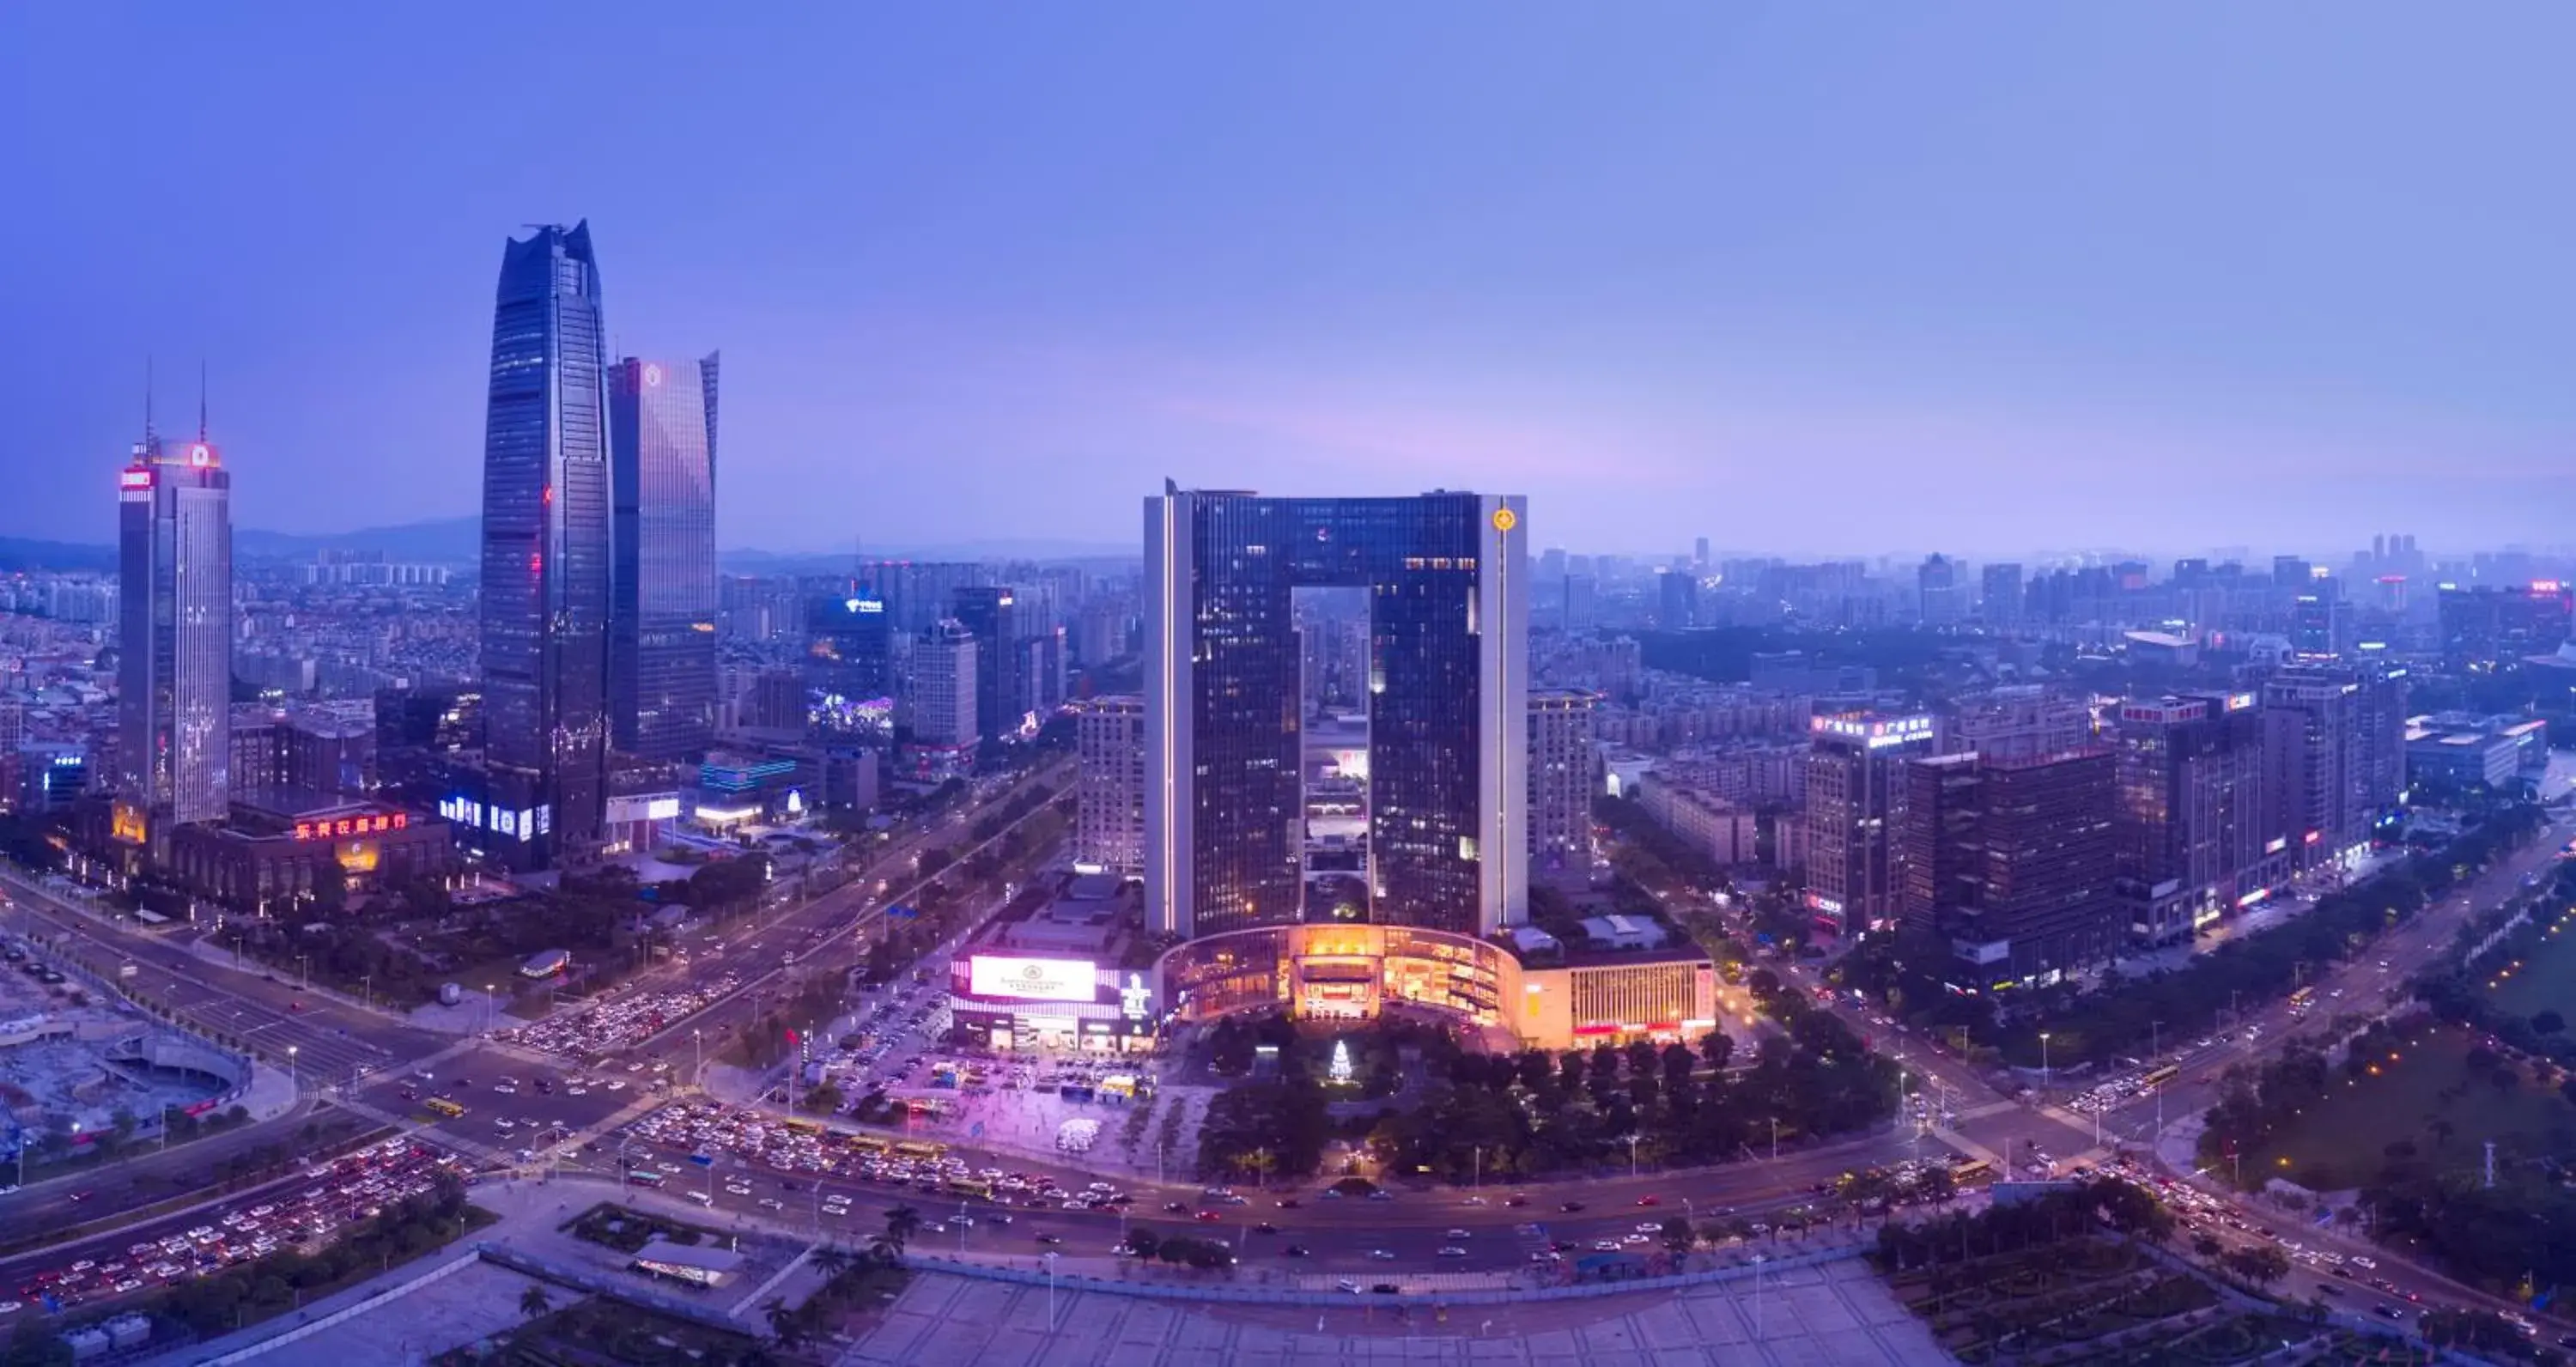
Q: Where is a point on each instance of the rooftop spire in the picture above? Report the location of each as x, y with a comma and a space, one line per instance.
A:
201, 399
148, 434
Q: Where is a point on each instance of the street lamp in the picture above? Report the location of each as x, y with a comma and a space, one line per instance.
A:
2043, 1060
1632, 1153
1050, 1267
290, 1066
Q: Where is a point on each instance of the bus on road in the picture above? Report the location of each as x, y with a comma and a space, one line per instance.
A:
645, 1177
2161, 1076
444, 1107
2303, 998
914, 1148
1968, 1170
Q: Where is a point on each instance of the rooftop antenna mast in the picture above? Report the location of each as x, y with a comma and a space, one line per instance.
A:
149, 437
201, 400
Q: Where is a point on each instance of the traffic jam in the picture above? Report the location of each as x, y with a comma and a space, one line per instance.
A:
344, 1192
739, 1137
623, 1021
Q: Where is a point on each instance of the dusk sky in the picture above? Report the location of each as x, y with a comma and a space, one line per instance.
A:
1801, 277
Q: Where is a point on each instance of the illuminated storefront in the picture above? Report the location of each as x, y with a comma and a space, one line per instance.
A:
1017, 1001
1356, 972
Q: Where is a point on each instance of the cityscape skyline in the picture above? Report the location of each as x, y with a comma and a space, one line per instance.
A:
1958, 309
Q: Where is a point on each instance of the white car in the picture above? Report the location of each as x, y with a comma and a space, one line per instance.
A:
1383, 1255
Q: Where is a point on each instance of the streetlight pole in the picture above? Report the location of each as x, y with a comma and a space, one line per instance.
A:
1632, 1153
1050, 1267
2043, 1061
1775, 1139
290, 1067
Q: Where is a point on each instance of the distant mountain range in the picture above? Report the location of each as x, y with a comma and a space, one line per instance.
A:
453, 541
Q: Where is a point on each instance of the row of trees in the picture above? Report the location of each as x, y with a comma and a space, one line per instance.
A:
1535, 1114
2035, 1223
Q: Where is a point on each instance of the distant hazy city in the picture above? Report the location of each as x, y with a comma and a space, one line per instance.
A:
1308, 920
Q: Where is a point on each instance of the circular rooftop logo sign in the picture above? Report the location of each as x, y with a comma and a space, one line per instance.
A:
1505, 519
652, 374
1033, 972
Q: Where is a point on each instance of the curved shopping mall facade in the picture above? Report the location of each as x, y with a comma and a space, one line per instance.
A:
1335, 972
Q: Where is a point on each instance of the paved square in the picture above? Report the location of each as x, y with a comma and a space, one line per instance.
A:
1835, 1315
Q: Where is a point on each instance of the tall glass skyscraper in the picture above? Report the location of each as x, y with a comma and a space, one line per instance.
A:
545, 591
990, 611
174, 637
1447, 695
662, 632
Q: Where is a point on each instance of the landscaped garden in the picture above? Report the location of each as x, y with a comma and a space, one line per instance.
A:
598, 1332
628, 1230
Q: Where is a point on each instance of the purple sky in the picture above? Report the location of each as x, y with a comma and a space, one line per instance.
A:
1801, 277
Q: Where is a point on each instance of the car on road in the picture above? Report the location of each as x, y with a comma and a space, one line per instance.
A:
1650, 1200
1570, 1207
1452, 1251
1206, 1217
1384, 1255
1050, 1240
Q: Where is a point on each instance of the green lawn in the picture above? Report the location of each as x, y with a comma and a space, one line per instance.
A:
2547, 979
2343, 1142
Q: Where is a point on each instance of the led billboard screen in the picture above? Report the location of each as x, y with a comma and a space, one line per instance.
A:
1046, 980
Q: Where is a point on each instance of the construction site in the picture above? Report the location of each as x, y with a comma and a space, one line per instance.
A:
80, 1068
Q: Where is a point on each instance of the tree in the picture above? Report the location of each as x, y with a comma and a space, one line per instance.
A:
2262, 1264
1676, 1234
1717, 1047
534, 1301
2548, 1023
1144, 1243
786, 1323
901, 1223
831, 1260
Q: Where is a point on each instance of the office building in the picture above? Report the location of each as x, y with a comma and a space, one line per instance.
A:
546, 538
2195, 834
2011, 861
2321, 623
990, 612
2015, 722
174, 637
849, 659
2485, 626
944, 675
662, 636
1942, 594
2000, 599
2335, 739
2451, 753
1561, 782
1677, 599
1855, 794
1109, 809
1448, 726
1582, 610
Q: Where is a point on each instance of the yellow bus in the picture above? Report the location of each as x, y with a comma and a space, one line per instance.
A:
1968, 1170
2161, 1076
444, 1107
869, 1144
805, 1126
914, 1148
2300, 999
971, 1186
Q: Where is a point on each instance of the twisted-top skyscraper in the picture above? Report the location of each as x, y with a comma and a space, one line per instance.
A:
546, 514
